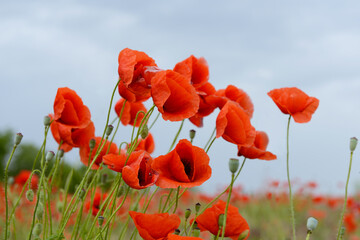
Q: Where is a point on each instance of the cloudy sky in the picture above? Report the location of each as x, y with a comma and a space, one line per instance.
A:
255, 45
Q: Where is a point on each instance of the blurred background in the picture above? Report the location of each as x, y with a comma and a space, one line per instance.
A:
254, 45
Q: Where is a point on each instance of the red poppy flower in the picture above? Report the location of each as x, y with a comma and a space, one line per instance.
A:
138, 173
258, 149
177, 237
205, 109
155, 226
23, 176
116, 161
85, 152
185, 166
220, 98
174, 96
295, 102
233, 124
130, 96
71, 137
98, 198
132, 67
147, 144
350, 222
130, 111
235, 223
195, 69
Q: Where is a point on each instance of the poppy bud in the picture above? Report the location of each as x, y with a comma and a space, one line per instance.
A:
92, 143
144, 132
47, 121
195, 225
192, 134
37, 229
187, 213
311, 224
101, 220
353, 143
244, 234
30, 195
59, 207
221, 220
196, 232
41, 196
11, 180
49, 156
18, 138
109, 130
61, 153
342, 231
197, 207
177, 231
121, 191
233, 165
40, 211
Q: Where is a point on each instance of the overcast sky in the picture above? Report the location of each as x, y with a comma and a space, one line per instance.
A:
255, 45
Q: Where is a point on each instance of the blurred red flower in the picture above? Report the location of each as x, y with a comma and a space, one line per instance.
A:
235, 223
233, 124
23, 176
155, 226
177, 237
185, 166
174, 96
258, 149
295, 102
130, 111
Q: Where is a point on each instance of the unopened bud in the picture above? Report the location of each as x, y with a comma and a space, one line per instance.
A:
109, 130
30, 195
195, 225
221, 220
18, 138
59, 206
47, 121
144, 132
39, 211
244, 234
61, 153
38, 229
353, 143
92, 143
187, 213
197, 207
233, 165
342, 231
192, 134
177, 231
311, 223
49, 156
41, 196
11, 180
100, 220
196, 232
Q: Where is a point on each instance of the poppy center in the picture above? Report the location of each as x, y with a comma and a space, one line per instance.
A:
189, 170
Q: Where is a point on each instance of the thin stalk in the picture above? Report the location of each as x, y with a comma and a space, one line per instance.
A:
211, 137
308, 235
176, 199
227, 206
211, 143
177, 135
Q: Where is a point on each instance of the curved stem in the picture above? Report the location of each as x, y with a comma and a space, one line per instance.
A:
345, 199
289, 183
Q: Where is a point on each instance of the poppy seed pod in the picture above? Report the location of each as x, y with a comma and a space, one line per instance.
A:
187, 213
47, 121
192, 134
109, 130
233, 165
196, 232
30, 195
92, 143
18, 138
311, 223
197, 207
61, 153
353, 143
101, 220
144, 132
49, 156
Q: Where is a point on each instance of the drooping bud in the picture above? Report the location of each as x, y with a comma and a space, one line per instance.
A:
18, 138
144, 132
30, 195
221, 220
187, 213
177, 231
92, 143
47, 121
40, 211
100, 220
38, 229
244, 234
233, 165
61, 153
196, 232
197, 207
49, 156
311, 223
192, 134
59, 206
353, 143
109, 130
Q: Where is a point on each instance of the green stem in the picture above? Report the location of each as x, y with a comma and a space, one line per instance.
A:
210, 138
289, 183
148, 203
227, 206
176, 199
211, 143
308, 235
152, 124
345, 200
6, 197
177, 135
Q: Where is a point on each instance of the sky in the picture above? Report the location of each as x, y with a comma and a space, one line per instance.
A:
255, 45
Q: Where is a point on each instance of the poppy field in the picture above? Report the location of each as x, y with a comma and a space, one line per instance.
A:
125, 192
